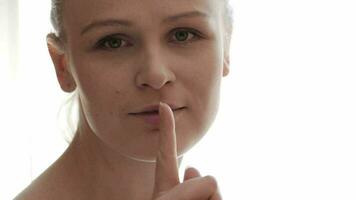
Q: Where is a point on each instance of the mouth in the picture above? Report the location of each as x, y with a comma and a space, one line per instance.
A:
152, 117
154, 112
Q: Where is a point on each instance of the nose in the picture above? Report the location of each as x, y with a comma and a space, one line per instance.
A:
154, 71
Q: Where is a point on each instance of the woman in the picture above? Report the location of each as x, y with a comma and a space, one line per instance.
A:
124, 57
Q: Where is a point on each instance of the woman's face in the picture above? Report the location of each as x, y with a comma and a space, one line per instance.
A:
126, 54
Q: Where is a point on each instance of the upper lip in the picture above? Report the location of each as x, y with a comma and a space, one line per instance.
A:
155, 107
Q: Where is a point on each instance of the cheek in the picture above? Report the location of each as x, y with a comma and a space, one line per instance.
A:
103, 90
202, 83
206, 73
100, 79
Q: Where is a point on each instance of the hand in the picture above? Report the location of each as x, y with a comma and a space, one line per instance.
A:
167, 185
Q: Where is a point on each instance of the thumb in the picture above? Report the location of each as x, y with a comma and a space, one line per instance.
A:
191, 172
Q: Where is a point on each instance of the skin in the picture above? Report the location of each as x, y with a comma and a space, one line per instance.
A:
151, 66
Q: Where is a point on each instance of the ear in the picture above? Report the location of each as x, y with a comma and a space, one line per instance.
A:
57, 53
226, 69
226, 51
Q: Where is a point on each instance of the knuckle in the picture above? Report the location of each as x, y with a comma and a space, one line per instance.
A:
212, 182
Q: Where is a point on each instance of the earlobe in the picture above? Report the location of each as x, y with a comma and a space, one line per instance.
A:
60, 63
226, 69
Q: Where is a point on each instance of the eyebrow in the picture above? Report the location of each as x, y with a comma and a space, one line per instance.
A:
122, 22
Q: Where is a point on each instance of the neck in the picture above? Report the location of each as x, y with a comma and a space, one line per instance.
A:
105, 174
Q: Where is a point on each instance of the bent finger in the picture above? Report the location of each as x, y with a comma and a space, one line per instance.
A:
196, 188
190, 173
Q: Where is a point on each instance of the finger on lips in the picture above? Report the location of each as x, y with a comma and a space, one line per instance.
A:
167, 184
166, 175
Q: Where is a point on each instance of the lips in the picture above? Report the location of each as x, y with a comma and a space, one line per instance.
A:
153, 118
153, 109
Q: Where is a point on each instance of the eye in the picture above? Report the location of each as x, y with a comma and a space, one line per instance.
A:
183, 35
111, 42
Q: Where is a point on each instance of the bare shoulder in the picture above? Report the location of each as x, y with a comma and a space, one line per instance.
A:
32, 192
42, 188
54, 183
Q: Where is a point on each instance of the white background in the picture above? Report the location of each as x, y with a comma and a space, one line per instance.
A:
286, 128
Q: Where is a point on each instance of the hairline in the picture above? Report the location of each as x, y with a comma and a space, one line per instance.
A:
57, 10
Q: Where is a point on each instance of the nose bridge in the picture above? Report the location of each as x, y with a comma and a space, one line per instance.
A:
153, 53
154, 68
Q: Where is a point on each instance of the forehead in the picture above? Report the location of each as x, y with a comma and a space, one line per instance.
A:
81, 12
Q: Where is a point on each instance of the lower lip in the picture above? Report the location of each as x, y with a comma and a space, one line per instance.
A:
154, 118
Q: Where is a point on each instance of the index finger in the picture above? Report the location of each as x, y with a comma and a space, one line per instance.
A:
166, 174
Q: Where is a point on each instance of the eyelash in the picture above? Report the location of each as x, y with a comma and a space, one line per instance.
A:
101, 43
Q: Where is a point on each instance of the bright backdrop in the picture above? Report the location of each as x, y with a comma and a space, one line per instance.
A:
286, 128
